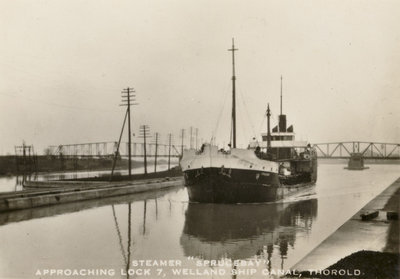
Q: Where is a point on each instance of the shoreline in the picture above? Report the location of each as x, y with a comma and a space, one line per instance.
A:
47, 164
371, 246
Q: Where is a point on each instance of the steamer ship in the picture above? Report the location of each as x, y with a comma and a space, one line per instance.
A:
266, 171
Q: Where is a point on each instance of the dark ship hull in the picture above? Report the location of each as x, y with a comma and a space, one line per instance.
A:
213, 187
240, 186
240, 178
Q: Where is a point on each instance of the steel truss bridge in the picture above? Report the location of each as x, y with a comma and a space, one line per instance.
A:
331, 150
369, 150
108, 149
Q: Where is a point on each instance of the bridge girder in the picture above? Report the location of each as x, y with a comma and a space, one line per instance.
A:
101, 149
369, 150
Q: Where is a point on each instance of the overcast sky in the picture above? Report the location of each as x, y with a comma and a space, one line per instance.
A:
64, 63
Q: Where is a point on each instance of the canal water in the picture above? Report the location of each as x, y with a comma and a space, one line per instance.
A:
133, 236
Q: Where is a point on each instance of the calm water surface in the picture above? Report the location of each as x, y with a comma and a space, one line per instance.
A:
110, 234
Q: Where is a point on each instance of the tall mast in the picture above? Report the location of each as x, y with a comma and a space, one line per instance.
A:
268, 129
233, 49
281, 94
282, 117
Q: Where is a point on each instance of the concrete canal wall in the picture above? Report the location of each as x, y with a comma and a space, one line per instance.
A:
58, 192
356, 239
63, 208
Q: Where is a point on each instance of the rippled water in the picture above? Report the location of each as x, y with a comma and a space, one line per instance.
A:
111, 235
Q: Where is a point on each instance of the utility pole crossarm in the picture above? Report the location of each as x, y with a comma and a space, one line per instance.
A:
128, 97
144, 133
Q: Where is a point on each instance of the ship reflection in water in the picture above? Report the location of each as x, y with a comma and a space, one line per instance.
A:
239, 232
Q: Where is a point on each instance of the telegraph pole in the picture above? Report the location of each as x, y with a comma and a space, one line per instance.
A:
144, 133
182, 136
169, 151
191, 137
197, 134
129, 132
128, 97
155, 154
116, 147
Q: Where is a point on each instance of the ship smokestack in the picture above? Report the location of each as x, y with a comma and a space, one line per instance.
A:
282, 123
282, 117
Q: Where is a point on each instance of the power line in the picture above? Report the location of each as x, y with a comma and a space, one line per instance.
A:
41, 101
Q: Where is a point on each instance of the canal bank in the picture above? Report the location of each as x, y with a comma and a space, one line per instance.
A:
370, 247
46, 193
68, 208
43, 164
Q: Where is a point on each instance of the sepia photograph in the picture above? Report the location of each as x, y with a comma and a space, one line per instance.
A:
199, 139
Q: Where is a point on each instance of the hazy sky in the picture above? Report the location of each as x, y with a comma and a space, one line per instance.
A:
64, 63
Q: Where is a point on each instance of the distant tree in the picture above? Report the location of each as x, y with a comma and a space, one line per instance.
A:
47, 151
